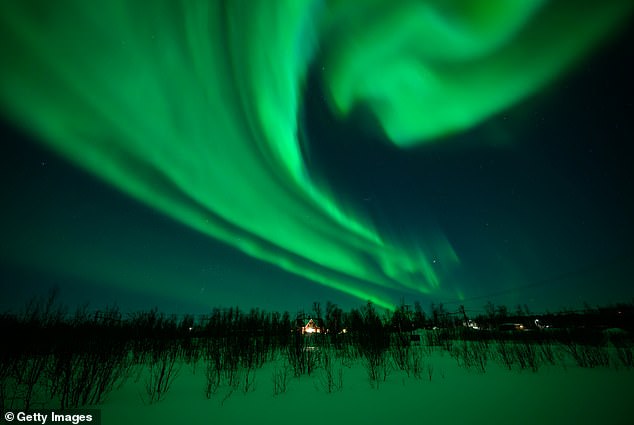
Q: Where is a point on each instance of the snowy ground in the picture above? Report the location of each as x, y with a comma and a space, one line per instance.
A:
565, 394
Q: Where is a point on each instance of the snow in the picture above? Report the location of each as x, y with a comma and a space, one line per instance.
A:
563, 394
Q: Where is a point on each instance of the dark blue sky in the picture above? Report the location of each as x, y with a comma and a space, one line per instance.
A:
536, 202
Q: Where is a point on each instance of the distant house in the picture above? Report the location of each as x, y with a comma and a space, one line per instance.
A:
471, 324
310, 328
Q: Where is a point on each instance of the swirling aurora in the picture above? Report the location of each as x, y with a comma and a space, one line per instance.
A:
193, 108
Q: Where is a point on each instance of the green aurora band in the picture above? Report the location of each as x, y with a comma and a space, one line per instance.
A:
192, 107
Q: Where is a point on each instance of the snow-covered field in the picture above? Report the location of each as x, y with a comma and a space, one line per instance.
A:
562, 394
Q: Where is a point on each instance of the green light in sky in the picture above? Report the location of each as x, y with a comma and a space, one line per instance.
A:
191, 107
431, 68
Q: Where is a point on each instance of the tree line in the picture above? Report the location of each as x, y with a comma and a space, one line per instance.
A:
53, 357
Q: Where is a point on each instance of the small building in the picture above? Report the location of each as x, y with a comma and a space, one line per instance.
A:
471, 324
311, 328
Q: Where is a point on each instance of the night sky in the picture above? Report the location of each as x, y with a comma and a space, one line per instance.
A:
162, 158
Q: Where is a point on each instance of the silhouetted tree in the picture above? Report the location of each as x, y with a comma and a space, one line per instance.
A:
317, 312
489, 310
502, 312
419, 316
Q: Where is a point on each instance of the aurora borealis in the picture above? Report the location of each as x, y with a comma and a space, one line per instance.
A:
207, 112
